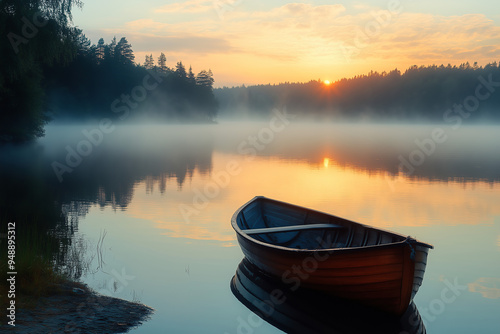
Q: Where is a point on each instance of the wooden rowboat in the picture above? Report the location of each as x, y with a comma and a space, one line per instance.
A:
310, 311
309, 249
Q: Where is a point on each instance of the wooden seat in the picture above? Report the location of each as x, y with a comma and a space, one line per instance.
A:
290, 228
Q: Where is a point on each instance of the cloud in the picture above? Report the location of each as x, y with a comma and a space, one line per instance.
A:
304, 41
317, 33
191, 6
295, 11
491, 51
302, 9
147, 35
428, 37
186, 43
148, 25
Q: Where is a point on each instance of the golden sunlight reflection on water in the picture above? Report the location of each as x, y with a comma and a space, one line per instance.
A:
202, 210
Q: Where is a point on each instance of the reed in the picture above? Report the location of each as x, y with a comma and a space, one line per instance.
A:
35, 264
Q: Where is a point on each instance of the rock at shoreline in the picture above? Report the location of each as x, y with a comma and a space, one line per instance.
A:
75, 309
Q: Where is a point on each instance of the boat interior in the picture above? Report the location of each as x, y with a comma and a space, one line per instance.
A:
289, 226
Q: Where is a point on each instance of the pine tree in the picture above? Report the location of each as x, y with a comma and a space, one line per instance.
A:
162, 62
83, 44
205, 79
149, 62
110, 49
180, 70
124, 53
99, 55
190, 75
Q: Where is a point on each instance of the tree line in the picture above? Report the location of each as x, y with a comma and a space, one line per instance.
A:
34, 34
50, 70
104, 73
421, 93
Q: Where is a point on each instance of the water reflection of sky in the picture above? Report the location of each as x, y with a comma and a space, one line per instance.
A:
460, 216
376, 199
179, 255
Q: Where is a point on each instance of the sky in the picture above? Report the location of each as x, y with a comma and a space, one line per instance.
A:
272, 41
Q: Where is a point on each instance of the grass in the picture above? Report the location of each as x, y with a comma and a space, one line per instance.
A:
35, 266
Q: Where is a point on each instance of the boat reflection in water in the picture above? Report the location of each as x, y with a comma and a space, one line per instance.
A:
309, 311
327, 253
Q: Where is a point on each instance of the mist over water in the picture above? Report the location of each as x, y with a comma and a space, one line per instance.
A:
164, 195
470, 152
96, 164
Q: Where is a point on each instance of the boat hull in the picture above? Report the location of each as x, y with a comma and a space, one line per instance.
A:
384, 276
309, 311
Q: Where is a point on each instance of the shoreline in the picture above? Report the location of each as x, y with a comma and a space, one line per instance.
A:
73, 307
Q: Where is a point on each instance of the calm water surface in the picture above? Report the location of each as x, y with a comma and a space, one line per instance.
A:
151, 209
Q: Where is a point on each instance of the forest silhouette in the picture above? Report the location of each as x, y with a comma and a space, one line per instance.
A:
424, 94
52, 71
104, 81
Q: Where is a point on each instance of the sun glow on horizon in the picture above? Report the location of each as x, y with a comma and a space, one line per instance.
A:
327, 82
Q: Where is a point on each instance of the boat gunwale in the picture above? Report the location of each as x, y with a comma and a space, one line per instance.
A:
242, 233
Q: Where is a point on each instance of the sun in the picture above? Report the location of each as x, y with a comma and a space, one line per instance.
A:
326, 82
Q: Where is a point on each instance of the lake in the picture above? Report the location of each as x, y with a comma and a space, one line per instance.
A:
147, 207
